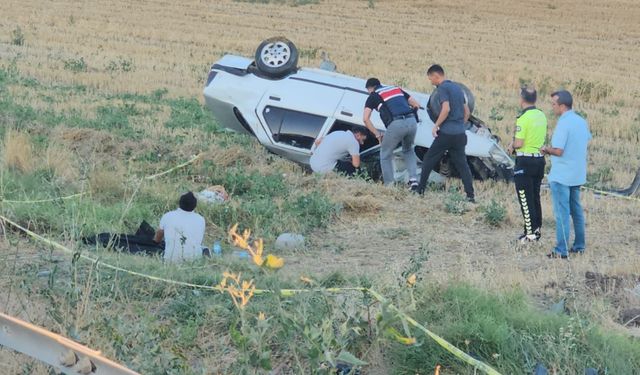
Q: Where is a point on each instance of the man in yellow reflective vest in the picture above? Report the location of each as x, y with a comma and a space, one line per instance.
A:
530, 134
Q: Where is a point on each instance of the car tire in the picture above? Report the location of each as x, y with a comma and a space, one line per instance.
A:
444, 167
479, 170
276, 57
434, 107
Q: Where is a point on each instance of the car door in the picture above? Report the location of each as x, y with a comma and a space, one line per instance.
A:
351, 109
294, 113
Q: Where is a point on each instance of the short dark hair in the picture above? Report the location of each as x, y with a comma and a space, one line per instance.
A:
360, 130
528, 94
188, 202
372, 82
435, 68
564, 97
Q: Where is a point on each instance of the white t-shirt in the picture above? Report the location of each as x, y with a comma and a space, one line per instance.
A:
333, 147
183, 234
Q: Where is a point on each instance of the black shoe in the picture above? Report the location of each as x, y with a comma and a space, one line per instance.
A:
554, 255
471, 200
538, 234
576, 251
413, 186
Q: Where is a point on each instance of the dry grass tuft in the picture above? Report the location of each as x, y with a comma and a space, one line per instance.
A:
108, 183
87, 141
361, 204
357, 199
18, 151
230, 156
61, 162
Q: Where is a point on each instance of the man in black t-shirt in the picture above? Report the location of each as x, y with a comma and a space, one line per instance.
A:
448, 132
396, 109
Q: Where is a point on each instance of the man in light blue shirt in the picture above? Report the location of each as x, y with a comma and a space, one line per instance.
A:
568, 152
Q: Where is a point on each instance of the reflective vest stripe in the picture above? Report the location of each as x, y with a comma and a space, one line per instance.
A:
389, 93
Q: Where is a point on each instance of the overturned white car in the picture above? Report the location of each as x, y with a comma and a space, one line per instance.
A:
286, 108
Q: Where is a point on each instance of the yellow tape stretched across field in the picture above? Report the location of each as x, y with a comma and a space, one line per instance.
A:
284, 292
174, 168
441, 341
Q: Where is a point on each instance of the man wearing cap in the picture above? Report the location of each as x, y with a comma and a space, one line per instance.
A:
330, 149
396, 109
568, 152
448, 132
530, 134
182, 230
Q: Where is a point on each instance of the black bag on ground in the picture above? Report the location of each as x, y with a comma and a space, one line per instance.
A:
140, 242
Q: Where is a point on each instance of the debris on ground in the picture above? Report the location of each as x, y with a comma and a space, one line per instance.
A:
289, 241
213, 194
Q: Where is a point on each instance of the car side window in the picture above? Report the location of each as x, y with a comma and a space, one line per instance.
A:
293, 128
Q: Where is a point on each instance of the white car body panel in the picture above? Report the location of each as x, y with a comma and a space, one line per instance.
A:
313, 91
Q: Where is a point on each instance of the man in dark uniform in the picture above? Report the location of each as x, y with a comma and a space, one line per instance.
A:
396, 109
448, 132
530, 134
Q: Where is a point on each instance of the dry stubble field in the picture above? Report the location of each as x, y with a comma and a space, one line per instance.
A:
590, 47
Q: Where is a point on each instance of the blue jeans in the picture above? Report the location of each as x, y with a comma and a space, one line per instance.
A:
399, 131
566, 202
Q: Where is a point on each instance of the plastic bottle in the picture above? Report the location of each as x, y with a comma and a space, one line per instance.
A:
241, 254
217, 249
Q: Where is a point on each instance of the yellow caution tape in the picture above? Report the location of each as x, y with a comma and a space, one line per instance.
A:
442, 342
174, 168
283, 292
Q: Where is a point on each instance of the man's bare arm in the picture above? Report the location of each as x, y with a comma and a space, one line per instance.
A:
159, 236
367, 122
444, 112
517, 143
413, 103
552, 151
467, 112
355, 160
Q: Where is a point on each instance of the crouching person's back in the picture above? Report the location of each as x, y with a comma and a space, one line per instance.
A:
182, 230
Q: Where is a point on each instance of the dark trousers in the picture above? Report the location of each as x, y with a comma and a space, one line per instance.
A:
454, 145
345, 167
528, 175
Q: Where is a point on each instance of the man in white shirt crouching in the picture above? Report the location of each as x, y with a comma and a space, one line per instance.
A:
182, 230
335, 146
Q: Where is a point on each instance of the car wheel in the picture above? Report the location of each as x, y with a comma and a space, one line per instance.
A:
434, 107
276, 57
444, 167
479, 170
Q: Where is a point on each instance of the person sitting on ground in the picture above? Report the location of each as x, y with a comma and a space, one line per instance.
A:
182, 230
335, 146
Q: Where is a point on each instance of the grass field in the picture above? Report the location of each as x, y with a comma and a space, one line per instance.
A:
95, 96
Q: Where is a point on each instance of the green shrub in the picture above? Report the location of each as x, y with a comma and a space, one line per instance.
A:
455, 203
314, 210
494, 213
504, 331
75, 65
121, 64
17, 37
